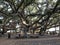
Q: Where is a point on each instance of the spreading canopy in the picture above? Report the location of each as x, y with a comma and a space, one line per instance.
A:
44, 13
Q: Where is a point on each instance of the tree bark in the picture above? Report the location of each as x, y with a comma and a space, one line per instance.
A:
59, 29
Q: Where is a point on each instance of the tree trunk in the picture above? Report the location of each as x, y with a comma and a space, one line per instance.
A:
9, 35
59, 29
3, 29
42, 31
25, 32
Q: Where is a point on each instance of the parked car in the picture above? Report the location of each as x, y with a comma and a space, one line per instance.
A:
12, 33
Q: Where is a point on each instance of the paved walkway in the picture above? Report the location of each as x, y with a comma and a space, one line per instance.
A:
37, 41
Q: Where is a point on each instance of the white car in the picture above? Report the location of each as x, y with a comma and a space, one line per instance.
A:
12, 33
